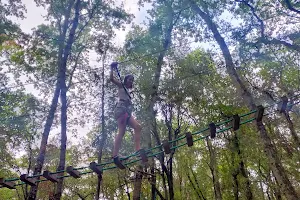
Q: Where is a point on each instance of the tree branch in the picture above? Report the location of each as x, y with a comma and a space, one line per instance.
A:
261, 22
194, 187
279, 42
267, 93
290, 6
74, 68
157, 191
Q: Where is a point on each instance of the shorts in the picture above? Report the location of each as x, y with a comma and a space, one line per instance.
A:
123, 109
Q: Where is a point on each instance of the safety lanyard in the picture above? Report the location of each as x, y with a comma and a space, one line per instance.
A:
122, 82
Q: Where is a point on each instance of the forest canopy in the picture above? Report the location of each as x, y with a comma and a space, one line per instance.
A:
216, 91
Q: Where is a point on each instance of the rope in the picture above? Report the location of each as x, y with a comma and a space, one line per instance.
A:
122, 82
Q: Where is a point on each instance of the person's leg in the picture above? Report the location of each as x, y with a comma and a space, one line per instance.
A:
137, 132
122, 128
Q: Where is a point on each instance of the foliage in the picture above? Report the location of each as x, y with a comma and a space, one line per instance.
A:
195, 88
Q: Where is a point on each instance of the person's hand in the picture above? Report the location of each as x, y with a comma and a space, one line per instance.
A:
113, 65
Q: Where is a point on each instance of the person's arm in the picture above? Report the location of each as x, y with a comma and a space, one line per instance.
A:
111, 76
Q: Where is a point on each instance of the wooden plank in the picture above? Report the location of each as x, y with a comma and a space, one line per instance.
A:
72, 172
166, 146
143, 155
50, 177
236, 122
189, 139
97, 169
259, 113
213, 130
9, 185
119, 163
26, 179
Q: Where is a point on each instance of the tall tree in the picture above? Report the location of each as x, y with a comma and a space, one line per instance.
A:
59, 11
270, 150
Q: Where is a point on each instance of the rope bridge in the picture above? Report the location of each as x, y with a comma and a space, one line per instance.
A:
165, 147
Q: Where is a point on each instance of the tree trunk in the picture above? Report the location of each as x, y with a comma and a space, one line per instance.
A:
158, 193
138, 183
170, 179
267, 180
292, 129
277, 192
63, 143
244, 173
101, 143
242, 169
197, 183
234, 174
262, 194
153, 180
168, 115
272, 155
214, 171
194, 187
41, 157
49, 121
30, 152
164, 174
63, 95
154, 94
235, 187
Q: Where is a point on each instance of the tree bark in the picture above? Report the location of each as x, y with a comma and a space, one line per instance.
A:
170, 178
153, 181
235, 187
269, 148
194, 187
30, 142
168, 114
241, 168
244, 173
63, 142
197, 183
214, 171
138, 183
277, 192
63, 95
292, 129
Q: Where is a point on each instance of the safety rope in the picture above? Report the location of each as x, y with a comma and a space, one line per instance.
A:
122, 82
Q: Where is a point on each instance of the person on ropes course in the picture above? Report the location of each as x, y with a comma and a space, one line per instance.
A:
123, 110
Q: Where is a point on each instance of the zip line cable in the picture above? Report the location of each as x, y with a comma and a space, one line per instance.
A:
150, 151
